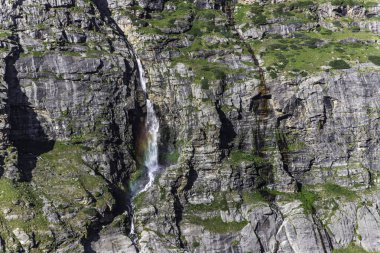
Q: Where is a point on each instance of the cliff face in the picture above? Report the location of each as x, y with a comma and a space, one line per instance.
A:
68, 107
268, 119
269, 111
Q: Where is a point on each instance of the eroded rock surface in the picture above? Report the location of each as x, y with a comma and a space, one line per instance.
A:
269, 120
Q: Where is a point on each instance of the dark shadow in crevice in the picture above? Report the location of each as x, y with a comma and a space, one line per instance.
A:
178, 212
192, 176
27, 133
227, 131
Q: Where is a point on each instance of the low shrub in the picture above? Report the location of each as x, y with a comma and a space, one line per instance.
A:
339, 64
374, 59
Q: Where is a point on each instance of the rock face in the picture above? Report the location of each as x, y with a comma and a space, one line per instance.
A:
268, 126
68, 107
275, 143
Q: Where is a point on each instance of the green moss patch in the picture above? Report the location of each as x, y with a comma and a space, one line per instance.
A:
219, 204
167, 18
238, 156
310, 52
254, 197
307, 198
14, 196
66, 181
172, 157
289, 12
5, 34
352, 248
253, 13
216, 224
139, 200
353, 2
205, 70
334, 190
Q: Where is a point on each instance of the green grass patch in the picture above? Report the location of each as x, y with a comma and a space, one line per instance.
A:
238, 156
220, 203
205, 70
172, 157
195, 244
71, 53
5, 34
347, 2
294, 11
289, 12
295, 146
205, 84
135, 176
253, 13
11, 193
307, 198
139, 200
167, 18
334, 190
92, 212
33, 53
63, 177
351, 248
216, 224
64, 150
307, 52
204, 23
253, 197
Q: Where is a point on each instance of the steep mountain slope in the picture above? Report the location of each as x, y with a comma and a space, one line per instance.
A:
268, 115
271, 111
68, 110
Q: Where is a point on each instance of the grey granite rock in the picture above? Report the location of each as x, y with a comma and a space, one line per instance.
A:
250, 161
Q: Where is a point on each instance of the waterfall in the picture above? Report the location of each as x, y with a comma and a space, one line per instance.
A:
152, 127
151, 152
141, 75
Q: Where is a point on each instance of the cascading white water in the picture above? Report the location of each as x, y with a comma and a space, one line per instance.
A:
152, 127
141, 75
151, 154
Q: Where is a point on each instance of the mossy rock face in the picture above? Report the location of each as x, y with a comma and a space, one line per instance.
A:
69, 178
63, 192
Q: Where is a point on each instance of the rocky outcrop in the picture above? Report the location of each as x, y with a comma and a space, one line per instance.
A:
264, 153
68, 110
268, 126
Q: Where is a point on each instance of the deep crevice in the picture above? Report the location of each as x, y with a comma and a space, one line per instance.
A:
227, 133
178, 211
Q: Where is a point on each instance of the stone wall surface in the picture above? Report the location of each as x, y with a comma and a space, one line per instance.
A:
269, 117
